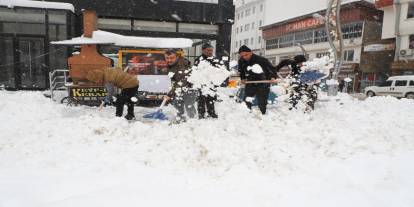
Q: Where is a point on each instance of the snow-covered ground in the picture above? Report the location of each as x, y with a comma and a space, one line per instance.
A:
346, 153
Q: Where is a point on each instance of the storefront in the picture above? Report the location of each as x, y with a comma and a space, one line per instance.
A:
26, 57
361, 25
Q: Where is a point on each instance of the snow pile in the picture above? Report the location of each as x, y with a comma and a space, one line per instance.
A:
37, 4
205, 76
103, 37
256, 68
345, 153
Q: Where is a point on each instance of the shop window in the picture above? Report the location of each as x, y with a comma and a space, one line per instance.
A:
320, 36
400, 83
349, 55
286, 41
410, 13
272, 43
304, 38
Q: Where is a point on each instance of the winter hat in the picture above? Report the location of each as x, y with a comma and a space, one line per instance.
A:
300, 58
244, 48
206, 45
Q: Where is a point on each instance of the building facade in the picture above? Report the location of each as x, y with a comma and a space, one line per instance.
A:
398, 26
199, 20
26, 57
361, 27
248, 18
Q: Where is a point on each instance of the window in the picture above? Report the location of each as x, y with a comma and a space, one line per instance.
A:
286, 41
254, 10
242, 13
241, 29
400, 83
251, 41
246, 41
320, 36
247, 12
272, 44
261, 7
412, 83
237, 44
246, 27
386, 84
304, 38
240, 43
411, 38
259, 40
410, 13
238, 16
260, 23
353, 30
252, 25
237, 30
349, 55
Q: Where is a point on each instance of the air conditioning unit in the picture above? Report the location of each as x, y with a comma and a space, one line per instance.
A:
406, 53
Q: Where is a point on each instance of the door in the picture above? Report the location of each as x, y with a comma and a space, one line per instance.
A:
32, 68
400, 87
7, 78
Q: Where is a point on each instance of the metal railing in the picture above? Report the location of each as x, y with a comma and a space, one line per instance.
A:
57, 80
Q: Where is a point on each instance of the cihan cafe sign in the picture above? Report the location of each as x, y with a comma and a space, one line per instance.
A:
293, 26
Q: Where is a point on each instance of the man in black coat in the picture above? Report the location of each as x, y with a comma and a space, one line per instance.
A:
253, 67
206, 101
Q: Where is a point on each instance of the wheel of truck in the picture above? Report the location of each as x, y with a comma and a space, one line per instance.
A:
410, 95
370, 94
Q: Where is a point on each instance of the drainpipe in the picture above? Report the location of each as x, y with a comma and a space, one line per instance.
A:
397, 6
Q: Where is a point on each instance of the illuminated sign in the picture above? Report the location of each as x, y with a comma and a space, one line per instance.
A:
88, 92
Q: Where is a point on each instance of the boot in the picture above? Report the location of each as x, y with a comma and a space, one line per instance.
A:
130, 117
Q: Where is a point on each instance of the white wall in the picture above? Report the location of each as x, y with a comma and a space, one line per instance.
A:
254, 33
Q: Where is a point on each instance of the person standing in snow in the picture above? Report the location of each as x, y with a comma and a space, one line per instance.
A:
120, 79
299, 90
182, 95
206, 100
253, 67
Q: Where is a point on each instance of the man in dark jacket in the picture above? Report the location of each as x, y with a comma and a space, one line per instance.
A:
299, 90
182, 94
206, 101
253, 67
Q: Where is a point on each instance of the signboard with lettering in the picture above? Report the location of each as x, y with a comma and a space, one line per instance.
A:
379, 47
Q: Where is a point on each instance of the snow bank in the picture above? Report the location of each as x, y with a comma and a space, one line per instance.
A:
103, 37
346, 153
37, 4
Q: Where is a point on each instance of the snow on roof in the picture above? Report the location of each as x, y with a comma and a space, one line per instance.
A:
37, 4
103, 37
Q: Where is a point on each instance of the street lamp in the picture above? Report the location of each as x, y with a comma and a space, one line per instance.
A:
335, 38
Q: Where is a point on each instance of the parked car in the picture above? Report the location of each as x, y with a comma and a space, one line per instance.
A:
397, 86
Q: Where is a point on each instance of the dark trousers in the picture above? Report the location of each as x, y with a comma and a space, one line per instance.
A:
125, 98
261, 93
307, 93
203, 102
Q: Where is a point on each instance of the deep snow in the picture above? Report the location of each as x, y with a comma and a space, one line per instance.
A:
346, 153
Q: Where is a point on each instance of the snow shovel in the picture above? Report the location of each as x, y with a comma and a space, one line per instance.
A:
158, 115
